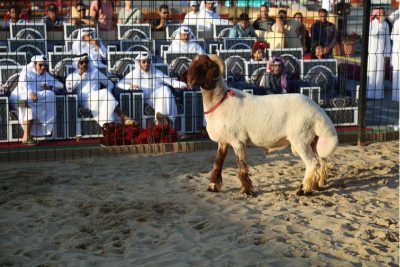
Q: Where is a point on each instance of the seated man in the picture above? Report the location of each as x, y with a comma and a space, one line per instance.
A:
35, 99
86, 44
184, 42
86, 81
79, 16
129, 14
53, 20
160, 24
275, 78
155, 86
243, 28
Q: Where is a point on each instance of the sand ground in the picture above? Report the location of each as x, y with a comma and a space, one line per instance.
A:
154, 210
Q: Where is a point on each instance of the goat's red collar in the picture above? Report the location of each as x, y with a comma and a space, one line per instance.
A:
227, 93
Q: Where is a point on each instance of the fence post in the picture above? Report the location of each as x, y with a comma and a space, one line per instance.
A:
364, 65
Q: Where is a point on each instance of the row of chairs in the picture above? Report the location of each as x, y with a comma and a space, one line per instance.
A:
322, 73
38, 30
71, 123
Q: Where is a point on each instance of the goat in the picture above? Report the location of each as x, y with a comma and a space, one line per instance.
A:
271, 122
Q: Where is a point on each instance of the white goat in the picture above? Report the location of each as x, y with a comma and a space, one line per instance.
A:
271, 122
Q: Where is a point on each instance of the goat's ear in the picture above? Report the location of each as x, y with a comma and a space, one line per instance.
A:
219, 61
212, 75
197, 71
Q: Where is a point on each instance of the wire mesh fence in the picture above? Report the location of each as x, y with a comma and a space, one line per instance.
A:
82, 75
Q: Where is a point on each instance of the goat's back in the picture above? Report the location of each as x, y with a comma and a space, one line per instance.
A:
264, 120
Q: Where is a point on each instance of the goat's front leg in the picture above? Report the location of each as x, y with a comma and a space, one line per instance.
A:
243, 171
216, 174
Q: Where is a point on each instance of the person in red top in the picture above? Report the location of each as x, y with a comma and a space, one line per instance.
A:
15, 16
317, 53
102, 11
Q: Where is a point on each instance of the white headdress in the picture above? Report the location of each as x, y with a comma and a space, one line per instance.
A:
142, 56
39, 58
31, 66
78, 58
85, 31
183, 29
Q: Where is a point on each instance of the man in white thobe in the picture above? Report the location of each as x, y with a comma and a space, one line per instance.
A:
86, 43
208, 16
86, 81
191, 17
155, 86
396, 60
379, 48
184, 42
35, 99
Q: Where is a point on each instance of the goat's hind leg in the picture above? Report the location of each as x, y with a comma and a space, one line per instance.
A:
243, 171
216, 174
311, 177
322, 174
322, 167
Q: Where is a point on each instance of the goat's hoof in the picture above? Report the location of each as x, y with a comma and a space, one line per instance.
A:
214, 187
319, 187
322, 183
301, 192
316, 187
248, 192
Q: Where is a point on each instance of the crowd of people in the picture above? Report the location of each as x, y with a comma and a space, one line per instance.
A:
96, 91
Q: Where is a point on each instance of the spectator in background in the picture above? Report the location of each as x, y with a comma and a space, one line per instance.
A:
191, 17
264, 22
379, 47
184, 42
323, 32
102, 12
155, 86
290, 29
86, 42
86, 80
396, 60
327, 5
342, 11
243, 28
258, 52
303, 33
12, 16
35, 99
161, 23
275, 78
317, 53
129, 14
53, 20
79, 16
208, 17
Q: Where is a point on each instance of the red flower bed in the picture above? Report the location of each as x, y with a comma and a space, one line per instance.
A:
115, 134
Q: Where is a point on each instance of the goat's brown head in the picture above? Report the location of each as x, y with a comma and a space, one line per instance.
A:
205, 71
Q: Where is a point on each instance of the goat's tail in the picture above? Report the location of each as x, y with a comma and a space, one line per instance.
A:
327, 139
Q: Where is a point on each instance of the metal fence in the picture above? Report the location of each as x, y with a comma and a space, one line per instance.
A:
344, 55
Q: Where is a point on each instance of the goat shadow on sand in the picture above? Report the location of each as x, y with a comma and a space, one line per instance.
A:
364, 180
